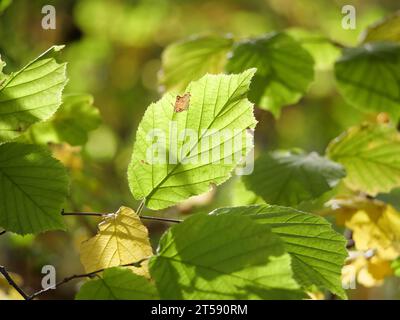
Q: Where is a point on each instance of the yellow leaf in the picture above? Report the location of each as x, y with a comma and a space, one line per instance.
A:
122, 239
7, 292
375, 225
370, 272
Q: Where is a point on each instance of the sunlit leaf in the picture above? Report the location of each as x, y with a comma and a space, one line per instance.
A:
222, 257
118, 284
33, 186
371, 156
122, 239
317, 251
284, 70
288, 178
180, 154
367, 77
31, 94
189, 60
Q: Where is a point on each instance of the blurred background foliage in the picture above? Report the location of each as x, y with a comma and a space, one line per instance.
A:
113, 50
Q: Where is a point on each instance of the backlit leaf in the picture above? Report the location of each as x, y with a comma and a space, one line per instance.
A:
31, 94
118, 284
388, 29
284, 70
317, 251
368, 77
189, 60
122, 239
288, 178
33, 187
72, 122
180, 154
375, 225
222, 257
371, 156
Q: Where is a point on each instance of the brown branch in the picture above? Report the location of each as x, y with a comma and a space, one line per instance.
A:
80, 276
12, 283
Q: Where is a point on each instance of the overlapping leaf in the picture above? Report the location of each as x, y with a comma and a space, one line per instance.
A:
75, 118
388, 29
323, 51
33, 187
371, 156
118, 284
284, 69
191, 59
368, 77
317, 251
180, 154
122, 239
222, 257
288, 178
30, 95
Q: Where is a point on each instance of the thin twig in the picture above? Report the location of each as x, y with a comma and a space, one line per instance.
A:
3, 232
161, 219
98, 214
80, 276
12, 283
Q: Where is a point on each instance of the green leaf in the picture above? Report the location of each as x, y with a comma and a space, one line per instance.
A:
317, 251
72, 122
371, 156
241, 196
2, 75
33, 186
222, 257
319, 46
396, 267
197, 147
117, 284
368, 77
188, 60
388, 29
284, 70
30, 95
4, 4
288, 178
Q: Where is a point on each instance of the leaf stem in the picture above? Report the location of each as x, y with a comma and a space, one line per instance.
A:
140, 208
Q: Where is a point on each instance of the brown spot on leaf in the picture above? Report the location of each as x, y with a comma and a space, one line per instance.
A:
182, 102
